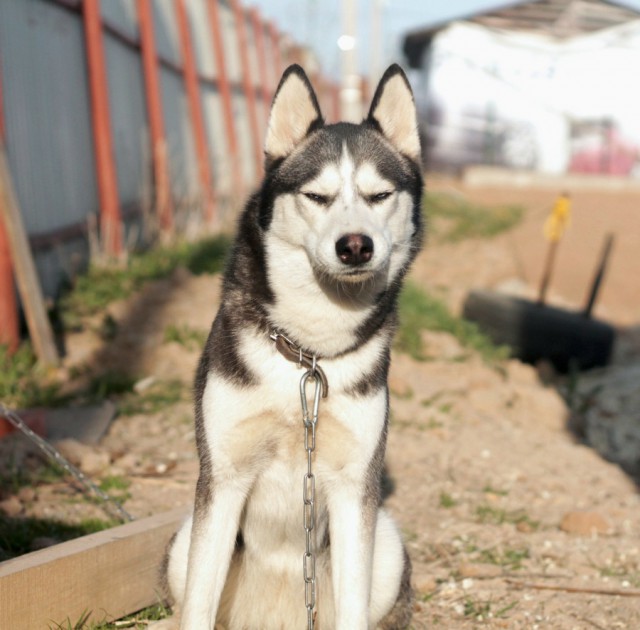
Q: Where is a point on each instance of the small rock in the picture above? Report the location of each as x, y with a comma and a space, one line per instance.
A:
12, 506
585, 523
94, 462
72, 450
144, 384
399, 387
27, 494
524, 527
425, 584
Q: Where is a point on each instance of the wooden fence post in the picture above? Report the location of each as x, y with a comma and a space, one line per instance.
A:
248, 85
162, 182
9, 329
213, 11
190, 75
26, 275
110, 221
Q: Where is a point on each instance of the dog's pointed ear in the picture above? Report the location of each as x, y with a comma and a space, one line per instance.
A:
393, 112
295, 113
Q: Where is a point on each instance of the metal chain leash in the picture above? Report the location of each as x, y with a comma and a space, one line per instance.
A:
54, 455
309, 489
314, 373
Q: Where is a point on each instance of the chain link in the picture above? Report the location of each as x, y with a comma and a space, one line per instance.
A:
310, 422
54, 455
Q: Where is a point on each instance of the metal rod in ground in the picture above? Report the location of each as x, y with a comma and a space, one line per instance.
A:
548, 270
600, 271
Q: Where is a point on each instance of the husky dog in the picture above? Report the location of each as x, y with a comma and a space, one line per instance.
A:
319, 259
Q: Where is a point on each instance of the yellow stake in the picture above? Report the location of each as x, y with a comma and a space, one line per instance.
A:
559, 219
555, 225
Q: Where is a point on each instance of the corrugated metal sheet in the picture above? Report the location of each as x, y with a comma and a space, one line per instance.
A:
47, 108
122, 15
166, 30
47, 115
216, 138
129, 124
230, 42
180, 144
243, 128
201, 36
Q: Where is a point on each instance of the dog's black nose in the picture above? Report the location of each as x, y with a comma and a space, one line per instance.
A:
354, 249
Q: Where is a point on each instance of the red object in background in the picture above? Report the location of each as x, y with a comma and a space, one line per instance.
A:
9, 326
35, 419
110, 222
609, 155
164, 202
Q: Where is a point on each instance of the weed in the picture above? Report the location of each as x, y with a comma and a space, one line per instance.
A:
477, 609
188, 337
102, 285
498, 516
420, 311
109, 384
23, 382
17, 534
116, 487
447, 501
508, 558
152, 400
455, 219
489, 489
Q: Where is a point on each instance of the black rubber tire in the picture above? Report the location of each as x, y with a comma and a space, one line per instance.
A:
535, 331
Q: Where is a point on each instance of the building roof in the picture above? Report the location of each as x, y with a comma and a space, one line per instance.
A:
560, 19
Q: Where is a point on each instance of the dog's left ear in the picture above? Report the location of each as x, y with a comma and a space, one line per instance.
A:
393, 111
295, 113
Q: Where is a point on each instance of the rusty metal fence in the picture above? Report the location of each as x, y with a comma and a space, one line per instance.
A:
126, 119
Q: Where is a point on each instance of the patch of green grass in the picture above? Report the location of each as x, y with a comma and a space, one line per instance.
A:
101, 285
140, 619
188, 337
23, 382
14, 477
116, 487
153, 399
498, 516
509, 558
17, 534
110, 384
454, 219
489, 489
420, 311
447, 501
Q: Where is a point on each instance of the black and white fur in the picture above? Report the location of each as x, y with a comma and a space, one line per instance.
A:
320, 255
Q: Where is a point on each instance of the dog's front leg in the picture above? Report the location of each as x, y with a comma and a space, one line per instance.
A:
352, 525
213, 536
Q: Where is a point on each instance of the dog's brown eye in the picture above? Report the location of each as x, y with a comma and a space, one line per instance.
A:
322, 200
378, 197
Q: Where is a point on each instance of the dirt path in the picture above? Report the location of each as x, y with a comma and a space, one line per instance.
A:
497, 500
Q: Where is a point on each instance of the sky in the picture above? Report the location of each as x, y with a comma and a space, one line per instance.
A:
317, 23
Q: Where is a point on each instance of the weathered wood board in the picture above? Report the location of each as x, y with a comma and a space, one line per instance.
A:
111, 574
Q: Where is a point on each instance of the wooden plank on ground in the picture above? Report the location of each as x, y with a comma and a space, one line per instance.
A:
25, 269
112, 573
